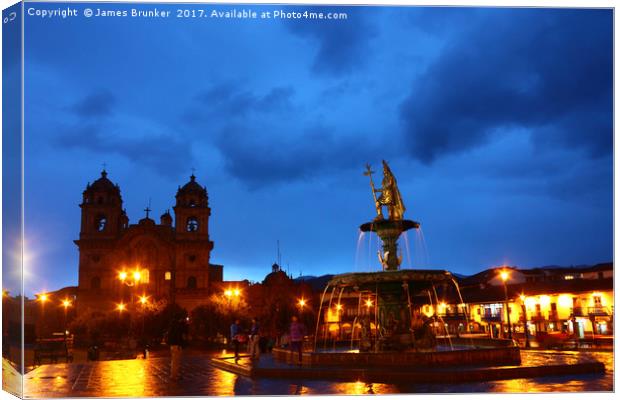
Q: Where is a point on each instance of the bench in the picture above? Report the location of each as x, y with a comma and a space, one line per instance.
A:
53, 349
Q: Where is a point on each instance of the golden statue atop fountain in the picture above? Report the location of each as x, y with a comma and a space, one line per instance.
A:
389, 195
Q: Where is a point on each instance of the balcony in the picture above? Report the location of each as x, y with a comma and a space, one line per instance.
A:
590, 311
491, 317
453, 315
602, 311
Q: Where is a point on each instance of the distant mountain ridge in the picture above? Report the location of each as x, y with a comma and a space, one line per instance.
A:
319, 282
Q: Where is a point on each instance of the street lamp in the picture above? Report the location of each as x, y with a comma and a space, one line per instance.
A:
143, 301
525, 328
121, 307
301, 303
65, 304
43, 298
504, 275
136, 275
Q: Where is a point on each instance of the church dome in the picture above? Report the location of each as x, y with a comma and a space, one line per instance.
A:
277, 277
103, 184
102, 191
192, 194
192, 187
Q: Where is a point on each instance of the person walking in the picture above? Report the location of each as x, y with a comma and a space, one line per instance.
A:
235, 332
296, 336
254, 342
176, 340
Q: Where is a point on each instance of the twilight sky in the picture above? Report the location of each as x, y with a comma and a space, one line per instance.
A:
496, 122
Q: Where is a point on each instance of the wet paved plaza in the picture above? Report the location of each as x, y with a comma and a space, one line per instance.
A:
132, 378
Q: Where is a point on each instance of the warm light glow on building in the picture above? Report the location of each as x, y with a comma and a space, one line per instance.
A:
121, 307
66, 303
368, 303
122, 275
565, 301
530, 302
522, 297
302, 302
339, 307
544, 300
236, 292
228, 293
332, 315
143, 300
43, 298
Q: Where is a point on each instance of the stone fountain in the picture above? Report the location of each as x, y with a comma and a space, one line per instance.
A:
392, 331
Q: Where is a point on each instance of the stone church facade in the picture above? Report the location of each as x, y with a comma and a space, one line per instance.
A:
119, 262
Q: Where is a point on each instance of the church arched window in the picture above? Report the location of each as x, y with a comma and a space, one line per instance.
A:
95, 283
101, 223
191, 282
192, 224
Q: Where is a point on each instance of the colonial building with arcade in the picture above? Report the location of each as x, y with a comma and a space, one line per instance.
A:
120, 262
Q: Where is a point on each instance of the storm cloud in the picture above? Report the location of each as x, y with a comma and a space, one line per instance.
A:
342, 43
548, 70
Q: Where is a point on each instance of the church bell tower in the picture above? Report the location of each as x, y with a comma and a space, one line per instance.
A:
102, 213
192, 212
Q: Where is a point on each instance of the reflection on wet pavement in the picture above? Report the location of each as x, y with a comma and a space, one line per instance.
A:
143, 378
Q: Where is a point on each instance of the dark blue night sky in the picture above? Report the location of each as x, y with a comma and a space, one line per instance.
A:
496, 122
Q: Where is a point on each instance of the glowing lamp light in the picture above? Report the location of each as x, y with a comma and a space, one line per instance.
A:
228, 293
122, 275
504, 275
302, 302
338, 307
43, 298
136, 276
368, 303
442, 305
66, 303
236, 292
545, 300
143, 300
121, 307
522, 297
